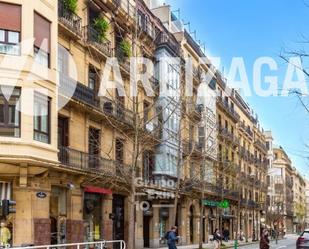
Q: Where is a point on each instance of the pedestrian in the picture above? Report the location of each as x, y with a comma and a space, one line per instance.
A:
264, 242
226, 234
217, 239
172, 238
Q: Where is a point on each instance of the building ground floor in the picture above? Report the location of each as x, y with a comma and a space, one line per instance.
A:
54, 206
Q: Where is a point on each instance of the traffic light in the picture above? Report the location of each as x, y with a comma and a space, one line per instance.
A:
7, 207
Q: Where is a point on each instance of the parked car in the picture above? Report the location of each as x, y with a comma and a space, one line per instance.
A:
303, 240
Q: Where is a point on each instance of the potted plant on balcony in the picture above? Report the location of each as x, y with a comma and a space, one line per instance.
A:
70, 5
125, 47
101, 25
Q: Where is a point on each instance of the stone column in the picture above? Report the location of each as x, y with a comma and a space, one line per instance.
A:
107, 208
75, 224
139, 230
154, 239
196, 229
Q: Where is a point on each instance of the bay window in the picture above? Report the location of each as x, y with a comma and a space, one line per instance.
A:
41, 118
42, 40
10, 27
9, 111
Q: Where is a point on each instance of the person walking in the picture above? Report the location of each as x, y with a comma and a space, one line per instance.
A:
172, 238
226, 235
217, 239
264, 242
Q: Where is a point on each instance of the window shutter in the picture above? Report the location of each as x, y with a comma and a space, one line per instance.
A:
10, 17
41, 32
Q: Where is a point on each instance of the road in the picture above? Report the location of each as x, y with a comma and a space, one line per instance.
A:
288, 243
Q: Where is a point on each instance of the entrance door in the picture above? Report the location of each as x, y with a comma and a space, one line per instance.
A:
191, 224
118, 222
146, 231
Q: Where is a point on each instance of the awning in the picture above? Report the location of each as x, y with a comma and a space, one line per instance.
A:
97, 190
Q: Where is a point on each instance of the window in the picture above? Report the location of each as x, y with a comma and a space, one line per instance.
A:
41, 118
10, 27
119, 151
9, 111
42, 40
92, 78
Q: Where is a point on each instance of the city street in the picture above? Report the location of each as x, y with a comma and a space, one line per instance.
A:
288, 243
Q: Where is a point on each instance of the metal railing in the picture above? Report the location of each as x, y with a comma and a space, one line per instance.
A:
126, 6
69, 18
146, 26
164, 39
93, 37
117, 110
85, 161
228, 108
96, 244
79, 90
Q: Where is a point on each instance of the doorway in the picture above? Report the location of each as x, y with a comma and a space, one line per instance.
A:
118, 222
146, 231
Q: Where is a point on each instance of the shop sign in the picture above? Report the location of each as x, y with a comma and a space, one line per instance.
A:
220, 204
41, 194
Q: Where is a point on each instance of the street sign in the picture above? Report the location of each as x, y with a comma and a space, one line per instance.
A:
220, 204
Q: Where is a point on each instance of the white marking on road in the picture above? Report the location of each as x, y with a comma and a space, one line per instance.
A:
281, 247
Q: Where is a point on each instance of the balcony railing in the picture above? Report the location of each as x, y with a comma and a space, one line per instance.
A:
261, 145
93, 37
123, 61
164, 39
81, 92
117, 111
191, 147
146, 27
93, 163
228, 108
69, 19
195, 110
126, 6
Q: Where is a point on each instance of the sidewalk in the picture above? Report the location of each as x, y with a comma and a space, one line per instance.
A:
210, 245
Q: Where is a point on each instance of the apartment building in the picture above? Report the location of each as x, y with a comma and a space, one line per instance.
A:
299, 201
307, 203
280, 199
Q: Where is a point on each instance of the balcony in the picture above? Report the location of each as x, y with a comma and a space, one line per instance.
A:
70, 21
117, 111
93, 38
228, 109
192, 148
166, 40
249, 132
260, 145
124, 62
92, 163
146, 27
81, 92
195, 110
125, 7
226, 134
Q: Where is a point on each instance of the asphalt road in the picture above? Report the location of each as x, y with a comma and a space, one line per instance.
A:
288, 243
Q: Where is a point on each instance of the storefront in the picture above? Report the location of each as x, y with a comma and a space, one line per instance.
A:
163, 223
58, 214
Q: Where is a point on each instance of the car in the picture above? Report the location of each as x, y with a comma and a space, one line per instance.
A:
303, 240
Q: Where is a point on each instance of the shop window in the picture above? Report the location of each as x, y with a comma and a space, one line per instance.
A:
92, 216
41, 118
42, 40
10, 27
9, 111
58, 214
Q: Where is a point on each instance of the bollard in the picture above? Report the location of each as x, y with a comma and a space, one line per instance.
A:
235, 244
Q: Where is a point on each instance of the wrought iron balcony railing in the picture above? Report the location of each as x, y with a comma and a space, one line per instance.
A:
69, 19
93, 38
126, 6
94, 163
228, 108
117, 111
80, 91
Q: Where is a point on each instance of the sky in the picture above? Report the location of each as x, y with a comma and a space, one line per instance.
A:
253, 29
